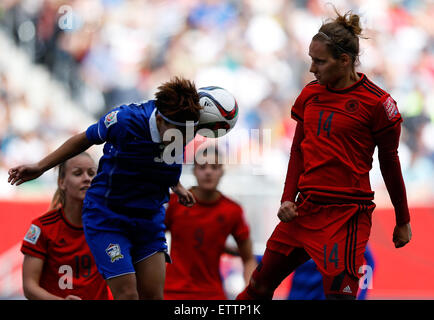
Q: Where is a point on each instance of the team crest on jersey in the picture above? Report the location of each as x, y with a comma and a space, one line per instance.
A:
390, 108
352, 105
111, 118
114, 252
33, 234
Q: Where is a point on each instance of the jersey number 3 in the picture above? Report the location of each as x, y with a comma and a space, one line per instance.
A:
327, 125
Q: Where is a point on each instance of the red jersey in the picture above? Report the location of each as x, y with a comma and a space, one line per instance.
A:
69, 267
340, 127
198, 236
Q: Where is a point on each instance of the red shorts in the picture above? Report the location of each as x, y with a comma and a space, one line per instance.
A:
186, 295
333, 235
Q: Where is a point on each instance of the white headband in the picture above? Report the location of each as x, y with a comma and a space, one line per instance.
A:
176, 123
334, 43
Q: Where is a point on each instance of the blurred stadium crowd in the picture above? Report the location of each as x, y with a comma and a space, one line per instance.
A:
107, 52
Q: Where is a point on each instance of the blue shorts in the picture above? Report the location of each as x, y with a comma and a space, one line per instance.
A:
118, 240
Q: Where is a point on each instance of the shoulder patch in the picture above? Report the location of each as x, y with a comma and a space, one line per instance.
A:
111, 118
33, 234
390, 108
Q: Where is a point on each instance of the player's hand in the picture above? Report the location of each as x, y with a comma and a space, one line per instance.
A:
24, 173
185, 197
72, 297
287, 211
402, 235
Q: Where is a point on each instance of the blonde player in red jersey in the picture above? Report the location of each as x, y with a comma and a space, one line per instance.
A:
58, 263
199, 235
326, 207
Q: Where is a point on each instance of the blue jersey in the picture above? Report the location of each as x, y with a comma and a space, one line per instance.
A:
131, 173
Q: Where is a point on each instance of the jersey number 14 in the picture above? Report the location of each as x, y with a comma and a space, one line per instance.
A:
326, 126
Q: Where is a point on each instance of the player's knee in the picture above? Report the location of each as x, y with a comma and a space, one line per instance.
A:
125, 293
156, 294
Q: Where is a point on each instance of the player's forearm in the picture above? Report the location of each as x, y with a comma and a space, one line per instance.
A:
33, 291
249, 267
67, 150
295, 166
245, 248
391, 171
176, 186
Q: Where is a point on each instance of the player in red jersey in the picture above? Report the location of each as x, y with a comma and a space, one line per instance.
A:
58, 263
199, 235
326, 205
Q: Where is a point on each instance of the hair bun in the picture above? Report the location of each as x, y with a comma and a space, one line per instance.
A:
350, 21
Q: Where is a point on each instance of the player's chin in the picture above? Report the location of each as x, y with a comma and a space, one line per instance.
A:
321, 81
208, 186
81, 195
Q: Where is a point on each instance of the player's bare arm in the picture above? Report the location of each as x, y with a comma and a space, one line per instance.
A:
287, 211
73, 146
32, 270
245, 248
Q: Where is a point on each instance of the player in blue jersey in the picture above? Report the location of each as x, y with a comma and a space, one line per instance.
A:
123, 213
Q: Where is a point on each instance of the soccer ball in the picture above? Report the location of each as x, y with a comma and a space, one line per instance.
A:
219, 113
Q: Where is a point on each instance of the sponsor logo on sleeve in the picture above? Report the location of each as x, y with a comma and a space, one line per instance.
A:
111, 118
33, 234
390, 108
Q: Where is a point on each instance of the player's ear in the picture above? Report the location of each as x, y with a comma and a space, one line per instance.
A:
159, 119
61, 184
195, 169
222, 171
345, 59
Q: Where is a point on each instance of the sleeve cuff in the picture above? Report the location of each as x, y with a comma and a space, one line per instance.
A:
33, 252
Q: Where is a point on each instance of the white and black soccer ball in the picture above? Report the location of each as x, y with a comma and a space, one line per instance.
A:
219, 113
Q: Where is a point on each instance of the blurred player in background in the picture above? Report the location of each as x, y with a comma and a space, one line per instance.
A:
341, 117
58, 263
123, 212
199, 235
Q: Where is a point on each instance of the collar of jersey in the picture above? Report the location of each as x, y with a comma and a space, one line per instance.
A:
69, 223
155, 134
351, 87
207, 203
